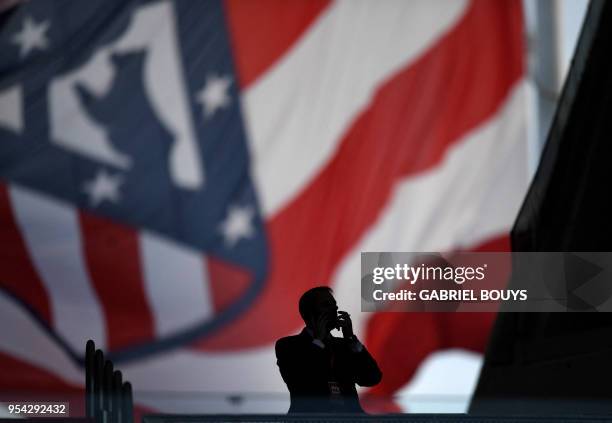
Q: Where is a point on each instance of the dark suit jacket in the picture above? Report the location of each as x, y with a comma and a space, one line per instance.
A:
307, 368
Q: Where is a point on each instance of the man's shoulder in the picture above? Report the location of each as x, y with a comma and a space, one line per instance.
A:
290, 345
293, 340
288, 341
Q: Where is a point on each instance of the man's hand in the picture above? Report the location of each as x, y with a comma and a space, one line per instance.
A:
320, 326
344, 319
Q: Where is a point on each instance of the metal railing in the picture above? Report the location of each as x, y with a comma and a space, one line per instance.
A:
108, 399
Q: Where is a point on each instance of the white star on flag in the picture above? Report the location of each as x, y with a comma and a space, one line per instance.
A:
31, 36
237, 224
215, 94
104, 187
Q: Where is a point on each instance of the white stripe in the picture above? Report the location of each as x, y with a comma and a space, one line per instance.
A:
52, 235
472, 196
176, 284
326, 80
442, 384
24, 339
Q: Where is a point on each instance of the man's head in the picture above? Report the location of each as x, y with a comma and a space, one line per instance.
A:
316, 302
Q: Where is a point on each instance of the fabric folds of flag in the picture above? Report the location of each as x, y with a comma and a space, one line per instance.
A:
176, 174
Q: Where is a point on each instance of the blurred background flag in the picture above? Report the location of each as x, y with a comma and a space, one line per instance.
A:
176, 174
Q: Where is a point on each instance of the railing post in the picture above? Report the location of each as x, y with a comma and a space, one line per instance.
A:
127, 405
90, 351
97, 385
116, 396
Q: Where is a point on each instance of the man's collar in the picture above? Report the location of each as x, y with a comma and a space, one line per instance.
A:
307, 331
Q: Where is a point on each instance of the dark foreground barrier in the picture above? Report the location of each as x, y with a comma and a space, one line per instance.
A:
108, 399
389, 418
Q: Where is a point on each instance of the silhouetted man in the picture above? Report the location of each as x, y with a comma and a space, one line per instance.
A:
321, 370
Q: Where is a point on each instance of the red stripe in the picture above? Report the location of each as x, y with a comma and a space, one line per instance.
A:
227, 283
401, 341
414, 118
500, 243
262, 31
18, 375
18, 275
113, 259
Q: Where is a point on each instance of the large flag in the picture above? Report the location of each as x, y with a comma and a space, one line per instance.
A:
176, 174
